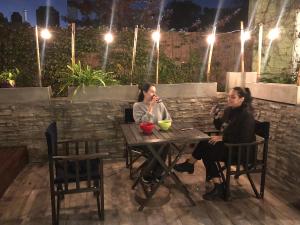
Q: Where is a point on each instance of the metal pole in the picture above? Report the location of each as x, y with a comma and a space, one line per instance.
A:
211, 47
134, 53
38, 56
157, 58
260, 40
73, 43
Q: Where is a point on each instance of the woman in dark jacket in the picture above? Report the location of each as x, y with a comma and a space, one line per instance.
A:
237, 125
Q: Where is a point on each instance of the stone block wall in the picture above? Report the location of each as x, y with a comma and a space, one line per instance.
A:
284, 146
25, 124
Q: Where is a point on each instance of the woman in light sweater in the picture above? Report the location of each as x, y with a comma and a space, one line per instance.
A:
149, 108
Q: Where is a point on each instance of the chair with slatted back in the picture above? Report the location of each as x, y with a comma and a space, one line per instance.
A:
73, 169
246, 159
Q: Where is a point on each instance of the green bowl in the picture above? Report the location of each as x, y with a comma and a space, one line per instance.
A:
164, 124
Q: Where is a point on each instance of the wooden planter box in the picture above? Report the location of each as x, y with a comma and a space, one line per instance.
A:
234, 79
285, 93
130, 93
25, 95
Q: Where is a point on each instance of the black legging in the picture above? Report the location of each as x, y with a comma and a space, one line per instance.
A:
210, 154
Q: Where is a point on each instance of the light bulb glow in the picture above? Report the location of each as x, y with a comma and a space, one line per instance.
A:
274, 33
246, 36
108, 38
211, 39
45, 34
156, 36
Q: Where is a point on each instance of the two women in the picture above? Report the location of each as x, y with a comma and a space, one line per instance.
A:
236, 123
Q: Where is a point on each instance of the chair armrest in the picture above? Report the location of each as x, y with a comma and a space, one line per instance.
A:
81, 157
231, 145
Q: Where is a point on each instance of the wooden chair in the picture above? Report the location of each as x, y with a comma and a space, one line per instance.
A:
69, 169
246, 159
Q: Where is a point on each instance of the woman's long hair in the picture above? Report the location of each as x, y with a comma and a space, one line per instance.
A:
145, 87
246, 94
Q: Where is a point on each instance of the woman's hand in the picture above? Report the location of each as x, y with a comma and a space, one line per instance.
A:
152, 103
214, 139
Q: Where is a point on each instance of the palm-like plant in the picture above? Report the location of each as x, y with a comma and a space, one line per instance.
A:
80, 76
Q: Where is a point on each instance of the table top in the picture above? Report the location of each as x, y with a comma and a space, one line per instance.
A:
179, 132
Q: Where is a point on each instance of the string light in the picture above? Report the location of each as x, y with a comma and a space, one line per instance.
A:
156, 36
45, 34
108, 38
274, 33
211, 39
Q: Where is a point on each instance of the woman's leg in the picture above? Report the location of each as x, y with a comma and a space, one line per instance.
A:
214, 153
210, 155
188, 165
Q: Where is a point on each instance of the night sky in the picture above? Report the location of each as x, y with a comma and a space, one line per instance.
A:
9, 6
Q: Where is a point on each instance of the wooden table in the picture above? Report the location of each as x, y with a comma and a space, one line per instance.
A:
178, 136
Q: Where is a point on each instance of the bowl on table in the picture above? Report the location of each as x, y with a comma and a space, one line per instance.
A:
164, 124
147, 127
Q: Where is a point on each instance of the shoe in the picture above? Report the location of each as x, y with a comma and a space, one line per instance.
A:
216, 193
184, 167
147, 179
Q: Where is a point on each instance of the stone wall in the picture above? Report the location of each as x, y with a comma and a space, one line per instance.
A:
280, 55
25, 124
284, 146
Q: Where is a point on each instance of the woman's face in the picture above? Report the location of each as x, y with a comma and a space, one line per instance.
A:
234, 100
149, 94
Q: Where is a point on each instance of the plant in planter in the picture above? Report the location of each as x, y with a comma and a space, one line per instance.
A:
8, 78
282, 78
80, 77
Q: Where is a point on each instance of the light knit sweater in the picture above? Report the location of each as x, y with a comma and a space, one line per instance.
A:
141, 114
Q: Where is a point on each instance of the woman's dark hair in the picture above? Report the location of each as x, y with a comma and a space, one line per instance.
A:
246, 94
145, 87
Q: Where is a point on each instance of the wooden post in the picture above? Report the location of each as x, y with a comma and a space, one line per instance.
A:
157, 58
134, 52
38, 56
298, 79
211, 47
243, 83
260, 41
73, 43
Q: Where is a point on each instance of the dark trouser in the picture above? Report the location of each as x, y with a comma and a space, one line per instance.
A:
153, 167
210, 154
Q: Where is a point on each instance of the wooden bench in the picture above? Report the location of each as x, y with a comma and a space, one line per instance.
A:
12, 161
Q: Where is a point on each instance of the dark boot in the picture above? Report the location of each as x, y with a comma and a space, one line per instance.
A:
185, 167
216, 193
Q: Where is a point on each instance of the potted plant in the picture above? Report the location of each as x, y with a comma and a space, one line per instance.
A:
8, 78
80, 76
